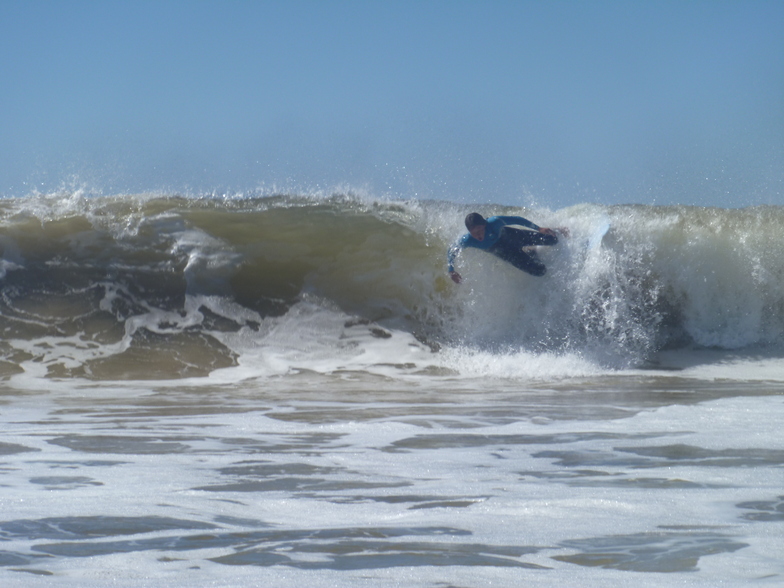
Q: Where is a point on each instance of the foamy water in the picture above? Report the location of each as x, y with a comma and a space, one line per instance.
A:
354, 479
288, 391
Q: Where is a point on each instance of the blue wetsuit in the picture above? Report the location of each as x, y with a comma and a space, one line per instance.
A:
507, 243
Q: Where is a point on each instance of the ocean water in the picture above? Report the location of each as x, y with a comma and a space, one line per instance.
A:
287, 390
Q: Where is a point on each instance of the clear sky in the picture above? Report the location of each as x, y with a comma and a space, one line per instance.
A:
552, 102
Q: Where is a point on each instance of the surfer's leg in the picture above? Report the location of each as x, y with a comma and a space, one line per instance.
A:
522, 260
528, 262
510, 248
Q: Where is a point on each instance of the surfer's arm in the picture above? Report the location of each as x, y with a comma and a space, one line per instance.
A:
518, 220
451, 256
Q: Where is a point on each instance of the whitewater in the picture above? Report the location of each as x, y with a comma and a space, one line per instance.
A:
287, 389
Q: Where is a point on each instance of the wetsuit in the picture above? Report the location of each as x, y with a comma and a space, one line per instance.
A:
507, 243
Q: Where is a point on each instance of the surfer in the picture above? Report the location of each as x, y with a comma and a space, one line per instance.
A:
495, 236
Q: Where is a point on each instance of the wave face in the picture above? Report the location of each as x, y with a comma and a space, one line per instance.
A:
169, 287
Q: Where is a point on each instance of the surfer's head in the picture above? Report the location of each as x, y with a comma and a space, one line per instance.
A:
474, 220
475, 223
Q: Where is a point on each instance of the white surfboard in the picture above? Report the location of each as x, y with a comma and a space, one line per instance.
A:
595, 240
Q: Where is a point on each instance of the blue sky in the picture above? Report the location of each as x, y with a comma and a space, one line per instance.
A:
554, 102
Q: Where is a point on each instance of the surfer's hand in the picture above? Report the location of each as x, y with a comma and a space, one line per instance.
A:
456, 278
554, 232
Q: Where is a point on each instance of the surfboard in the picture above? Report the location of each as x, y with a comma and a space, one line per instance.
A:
595, 239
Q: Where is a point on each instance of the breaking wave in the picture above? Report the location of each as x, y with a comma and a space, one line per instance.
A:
165, 286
